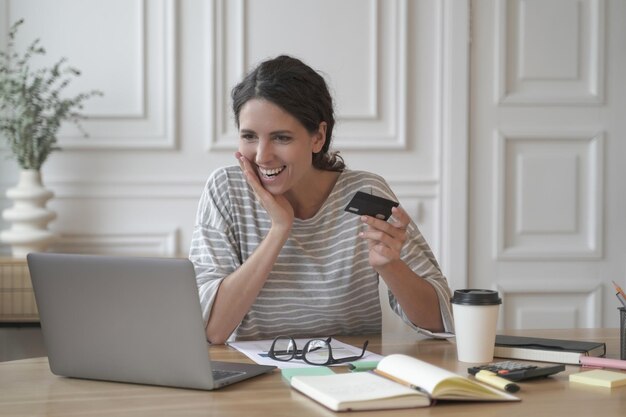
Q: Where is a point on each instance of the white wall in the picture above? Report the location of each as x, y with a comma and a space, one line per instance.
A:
400, 73
166, 68
164, 124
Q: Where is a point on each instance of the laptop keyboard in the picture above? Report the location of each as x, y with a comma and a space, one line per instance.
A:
219, 374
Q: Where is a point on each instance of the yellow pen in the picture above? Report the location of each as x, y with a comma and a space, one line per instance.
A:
491, 378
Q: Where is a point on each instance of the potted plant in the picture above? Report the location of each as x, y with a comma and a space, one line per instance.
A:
32, 110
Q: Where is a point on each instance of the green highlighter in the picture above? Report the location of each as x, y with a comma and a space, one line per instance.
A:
362, 366
287, 373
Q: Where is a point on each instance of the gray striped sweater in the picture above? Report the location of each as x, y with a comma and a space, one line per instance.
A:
321, 284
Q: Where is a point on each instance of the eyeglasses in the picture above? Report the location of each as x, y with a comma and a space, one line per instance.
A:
315, 351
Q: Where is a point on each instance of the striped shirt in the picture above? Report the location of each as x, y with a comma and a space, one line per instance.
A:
322, 283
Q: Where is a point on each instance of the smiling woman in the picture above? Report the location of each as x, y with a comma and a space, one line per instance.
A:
274, 251
282, 151
301, 92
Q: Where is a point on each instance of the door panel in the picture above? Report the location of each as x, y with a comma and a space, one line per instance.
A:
547, 133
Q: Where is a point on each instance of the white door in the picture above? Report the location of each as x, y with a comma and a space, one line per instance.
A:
547, 206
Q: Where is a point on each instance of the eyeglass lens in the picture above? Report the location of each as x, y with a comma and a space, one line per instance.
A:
317, 352
284, 349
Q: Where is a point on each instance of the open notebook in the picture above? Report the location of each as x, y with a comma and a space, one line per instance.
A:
127, 319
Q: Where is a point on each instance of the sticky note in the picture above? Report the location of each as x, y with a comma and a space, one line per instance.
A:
600, 378
287, 373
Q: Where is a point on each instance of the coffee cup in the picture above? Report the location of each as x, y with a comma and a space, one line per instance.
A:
475, 321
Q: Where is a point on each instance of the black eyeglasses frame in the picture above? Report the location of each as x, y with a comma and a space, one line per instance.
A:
301, 354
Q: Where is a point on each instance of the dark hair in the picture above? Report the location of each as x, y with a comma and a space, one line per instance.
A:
299, 90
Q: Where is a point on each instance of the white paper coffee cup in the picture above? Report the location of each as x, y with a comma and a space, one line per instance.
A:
475, 322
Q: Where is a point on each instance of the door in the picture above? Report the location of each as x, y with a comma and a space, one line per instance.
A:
547, 207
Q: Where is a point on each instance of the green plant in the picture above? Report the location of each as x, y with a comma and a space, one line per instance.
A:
31, 106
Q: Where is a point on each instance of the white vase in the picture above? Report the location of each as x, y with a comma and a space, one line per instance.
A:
28, 216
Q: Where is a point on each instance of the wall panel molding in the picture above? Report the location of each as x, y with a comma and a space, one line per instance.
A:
548, 199
138, 109
154, 243
420, 198
544, 304
191, 188
165, 189
540, 63
381, 124
156, 128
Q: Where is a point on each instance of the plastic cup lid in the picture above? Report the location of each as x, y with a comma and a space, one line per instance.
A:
476, 297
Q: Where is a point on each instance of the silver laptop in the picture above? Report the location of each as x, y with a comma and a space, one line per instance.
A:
125, 319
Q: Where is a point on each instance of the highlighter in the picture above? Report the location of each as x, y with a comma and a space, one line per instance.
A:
361, 366
490, 378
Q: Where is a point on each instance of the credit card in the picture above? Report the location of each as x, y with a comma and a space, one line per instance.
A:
370, 205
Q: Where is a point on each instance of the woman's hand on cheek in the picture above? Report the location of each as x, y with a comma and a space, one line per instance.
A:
385, 239
277, 206
248, 171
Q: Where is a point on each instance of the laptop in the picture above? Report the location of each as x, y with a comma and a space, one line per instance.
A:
125, 319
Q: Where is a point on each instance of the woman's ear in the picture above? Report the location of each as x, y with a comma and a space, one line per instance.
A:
319, 138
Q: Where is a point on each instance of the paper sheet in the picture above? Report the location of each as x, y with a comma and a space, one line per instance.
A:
257, 351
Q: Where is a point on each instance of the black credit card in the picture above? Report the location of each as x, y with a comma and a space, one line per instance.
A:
370, 205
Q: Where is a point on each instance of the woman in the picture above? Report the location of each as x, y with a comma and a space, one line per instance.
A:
274, 251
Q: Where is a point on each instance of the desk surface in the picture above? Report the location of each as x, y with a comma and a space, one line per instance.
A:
27, 388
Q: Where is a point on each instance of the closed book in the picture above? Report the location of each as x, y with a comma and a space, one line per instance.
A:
546, 350
399, 381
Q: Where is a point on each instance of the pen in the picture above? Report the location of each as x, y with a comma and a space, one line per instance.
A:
400, 381
618, 289
620, 294
494, 380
